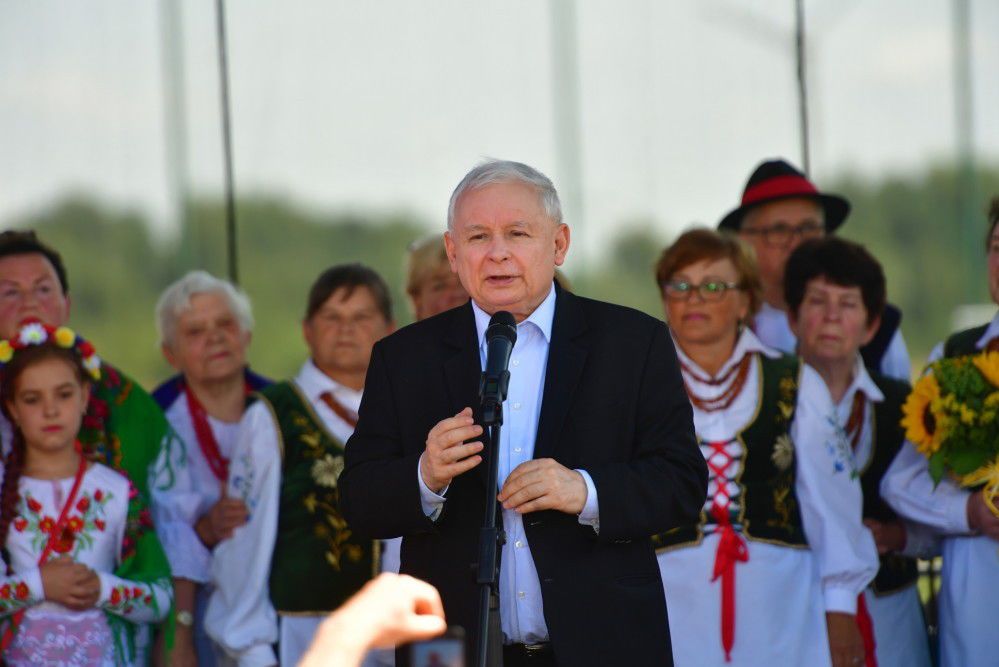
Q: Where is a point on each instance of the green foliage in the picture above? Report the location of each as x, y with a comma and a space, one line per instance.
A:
966, 414
117, 268
933, 252
117, 271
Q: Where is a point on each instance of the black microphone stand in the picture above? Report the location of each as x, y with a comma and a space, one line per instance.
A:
489, 644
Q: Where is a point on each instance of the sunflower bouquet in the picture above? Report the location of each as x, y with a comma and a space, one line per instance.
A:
952, 418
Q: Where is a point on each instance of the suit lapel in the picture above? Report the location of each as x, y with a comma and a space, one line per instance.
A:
566, 358
462, 366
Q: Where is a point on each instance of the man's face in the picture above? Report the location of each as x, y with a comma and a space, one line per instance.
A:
504, 248
29, 288
775, 229
208, 344
342, 332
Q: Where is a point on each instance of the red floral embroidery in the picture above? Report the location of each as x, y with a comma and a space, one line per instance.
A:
115, 596
20, 524
34, 505
98, 495
64, 543
137, 593
100, 524
46, 525
5, 592
22, 591
83, 504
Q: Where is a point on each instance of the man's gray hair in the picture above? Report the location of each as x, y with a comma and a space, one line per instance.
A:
177, 298
506, 171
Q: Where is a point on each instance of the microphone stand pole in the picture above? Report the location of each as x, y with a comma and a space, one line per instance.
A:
489, 644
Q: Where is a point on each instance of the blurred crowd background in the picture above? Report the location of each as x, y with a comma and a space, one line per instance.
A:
352, 121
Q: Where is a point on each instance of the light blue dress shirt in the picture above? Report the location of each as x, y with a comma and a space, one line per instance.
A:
521, 607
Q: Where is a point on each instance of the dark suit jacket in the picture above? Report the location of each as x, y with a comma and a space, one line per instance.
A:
613, 404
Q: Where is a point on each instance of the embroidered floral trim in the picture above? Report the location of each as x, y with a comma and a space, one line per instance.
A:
13, 595
125, 597
783, 452
78, 533
324, 500
326, 470
139, 520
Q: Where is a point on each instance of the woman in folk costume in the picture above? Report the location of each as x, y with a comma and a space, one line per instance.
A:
204, 325
835, 291
968, 530
82, 562
771, 573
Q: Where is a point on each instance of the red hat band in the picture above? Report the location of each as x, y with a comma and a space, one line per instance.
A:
778, 187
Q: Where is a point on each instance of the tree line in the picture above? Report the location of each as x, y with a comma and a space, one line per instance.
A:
117, 267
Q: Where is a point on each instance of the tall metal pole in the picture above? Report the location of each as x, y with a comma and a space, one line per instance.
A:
799, 52
230, 197
565, 104
964, 126
175, 127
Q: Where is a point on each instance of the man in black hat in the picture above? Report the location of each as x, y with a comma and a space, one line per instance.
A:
781, 208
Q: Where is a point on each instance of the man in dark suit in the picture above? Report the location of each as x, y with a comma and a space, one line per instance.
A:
597, 451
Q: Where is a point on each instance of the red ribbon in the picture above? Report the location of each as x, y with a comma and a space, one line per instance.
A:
779, 186
206, 437
54, 536
731, 550
866, 626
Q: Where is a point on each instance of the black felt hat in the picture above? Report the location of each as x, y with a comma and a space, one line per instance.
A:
777, 179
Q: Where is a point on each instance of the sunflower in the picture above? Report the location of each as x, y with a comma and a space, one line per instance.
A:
988, 365
924, 428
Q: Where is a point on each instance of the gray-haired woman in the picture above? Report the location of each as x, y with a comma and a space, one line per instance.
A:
205, 325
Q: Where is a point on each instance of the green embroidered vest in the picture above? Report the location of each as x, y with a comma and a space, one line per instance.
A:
318, 561
897, 571
768, 504
963, 342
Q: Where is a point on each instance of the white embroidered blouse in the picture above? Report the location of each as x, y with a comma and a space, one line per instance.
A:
95, 535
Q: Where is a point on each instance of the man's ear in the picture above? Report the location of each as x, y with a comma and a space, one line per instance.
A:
562, 238
450, 250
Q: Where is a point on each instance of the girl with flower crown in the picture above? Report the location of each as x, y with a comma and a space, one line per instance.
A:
82, 564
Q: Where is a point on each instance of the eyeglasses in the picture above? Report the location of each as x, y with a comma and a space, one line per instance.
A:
710, 290
780, 235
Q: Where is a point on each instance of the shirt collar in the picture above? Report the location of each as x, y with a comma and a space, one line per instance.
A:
747, 343
314, 383
992, 331
863, 383
541, 318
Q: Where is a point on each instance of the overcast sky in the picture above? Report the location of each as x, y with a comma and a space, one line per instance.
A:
383, 105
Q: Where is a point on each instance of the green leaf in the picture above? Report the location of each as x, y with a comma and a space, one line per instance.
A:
937, 467
964, 461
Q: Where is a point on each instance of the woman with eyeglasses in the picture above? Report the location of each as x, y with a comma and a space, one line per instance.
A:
772, 571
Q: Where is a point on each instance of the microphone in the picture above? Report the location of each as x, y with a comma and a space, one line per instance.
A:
500, 338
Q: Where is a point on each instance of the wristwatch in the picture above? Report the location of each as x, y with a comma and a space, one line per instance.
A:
185, 618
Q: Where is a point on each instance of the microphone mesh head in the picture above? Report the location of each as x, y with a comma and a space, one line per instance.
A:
502, 324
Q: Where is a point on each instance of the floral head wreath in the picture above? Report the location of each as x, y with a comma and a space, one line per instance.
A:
33, 332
